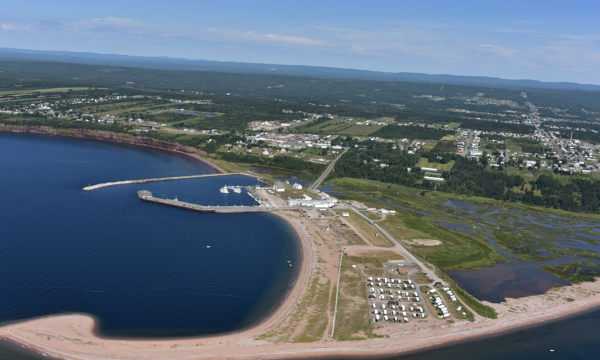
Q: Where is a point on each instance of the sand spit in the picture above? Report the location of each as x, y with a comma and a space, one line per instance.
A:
74, 336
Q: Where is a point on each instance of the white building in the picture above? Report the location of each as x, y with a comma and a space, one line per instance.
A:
279, 186
297, 186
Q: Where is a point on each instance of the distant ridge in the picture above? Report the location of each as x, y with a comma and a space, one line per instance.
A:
167, 63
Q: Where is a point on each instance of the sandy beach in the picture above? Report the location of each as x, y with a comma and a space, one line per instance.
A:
74, 336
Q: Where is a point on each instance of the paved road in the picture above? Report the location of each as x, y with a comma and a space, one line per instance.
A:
316, 184
410, 256
465, 150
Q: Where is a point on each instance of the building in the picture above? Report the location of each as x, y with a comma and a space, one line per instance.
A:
345, 214
279, 186
297, 186
476, 152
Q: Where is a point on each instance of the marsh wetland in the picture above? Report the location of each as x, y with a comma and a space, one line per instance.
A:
491, 249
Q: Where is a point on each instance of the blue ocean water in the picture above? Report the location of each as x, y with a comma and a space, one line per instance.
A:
142, 269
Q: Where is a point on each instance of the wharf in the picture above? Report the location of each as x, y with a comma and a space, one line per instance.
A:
146, 195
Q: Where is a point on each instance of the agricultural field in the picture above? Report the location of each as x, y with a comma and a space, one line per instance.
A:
360, 130
52, 90
424, 162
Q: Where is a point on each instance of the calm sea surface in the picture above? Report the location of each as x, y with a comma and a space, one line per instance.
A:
142, 269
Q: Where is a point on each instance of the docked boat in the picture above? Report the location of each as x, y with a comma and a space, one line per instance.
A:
237, 190
224, 190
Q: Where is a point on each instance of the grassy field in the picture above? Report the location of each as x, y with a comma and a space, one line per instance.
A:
430, 144
22, 92
575, 272
512, 146
454, 125
360, 130
423, 162
120, 111
451, 137
367, 230
322, 125
352, 322
458, 251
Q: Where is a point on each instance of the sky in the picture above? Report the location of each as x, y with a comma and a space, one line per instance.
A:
541, 40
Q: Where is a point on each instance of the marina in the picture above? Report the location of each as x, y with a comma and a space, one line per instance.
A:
236, 189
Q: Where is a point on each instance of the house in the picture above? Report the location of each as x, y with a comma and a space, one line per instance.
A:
306, 197
297, 186
279, 186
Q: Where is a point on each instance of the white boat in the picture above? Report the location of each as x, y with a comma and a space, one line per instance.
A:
237, 190
224, 190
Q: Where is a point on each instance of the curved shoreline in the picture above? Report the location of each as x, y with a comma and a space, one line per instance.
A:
31, 333
244, 343
351, 349
284, 306
74, 136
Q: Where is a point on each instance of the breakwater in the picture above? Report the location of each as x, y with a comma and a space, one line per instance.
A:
142, 181
146, 195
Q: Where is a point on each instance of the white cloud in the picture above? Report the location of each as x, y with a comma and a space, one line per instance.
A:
12, 26
504, 51
119, 21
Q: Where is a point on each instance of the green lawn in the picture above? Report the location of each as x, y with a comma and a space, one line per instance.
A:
423, 162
